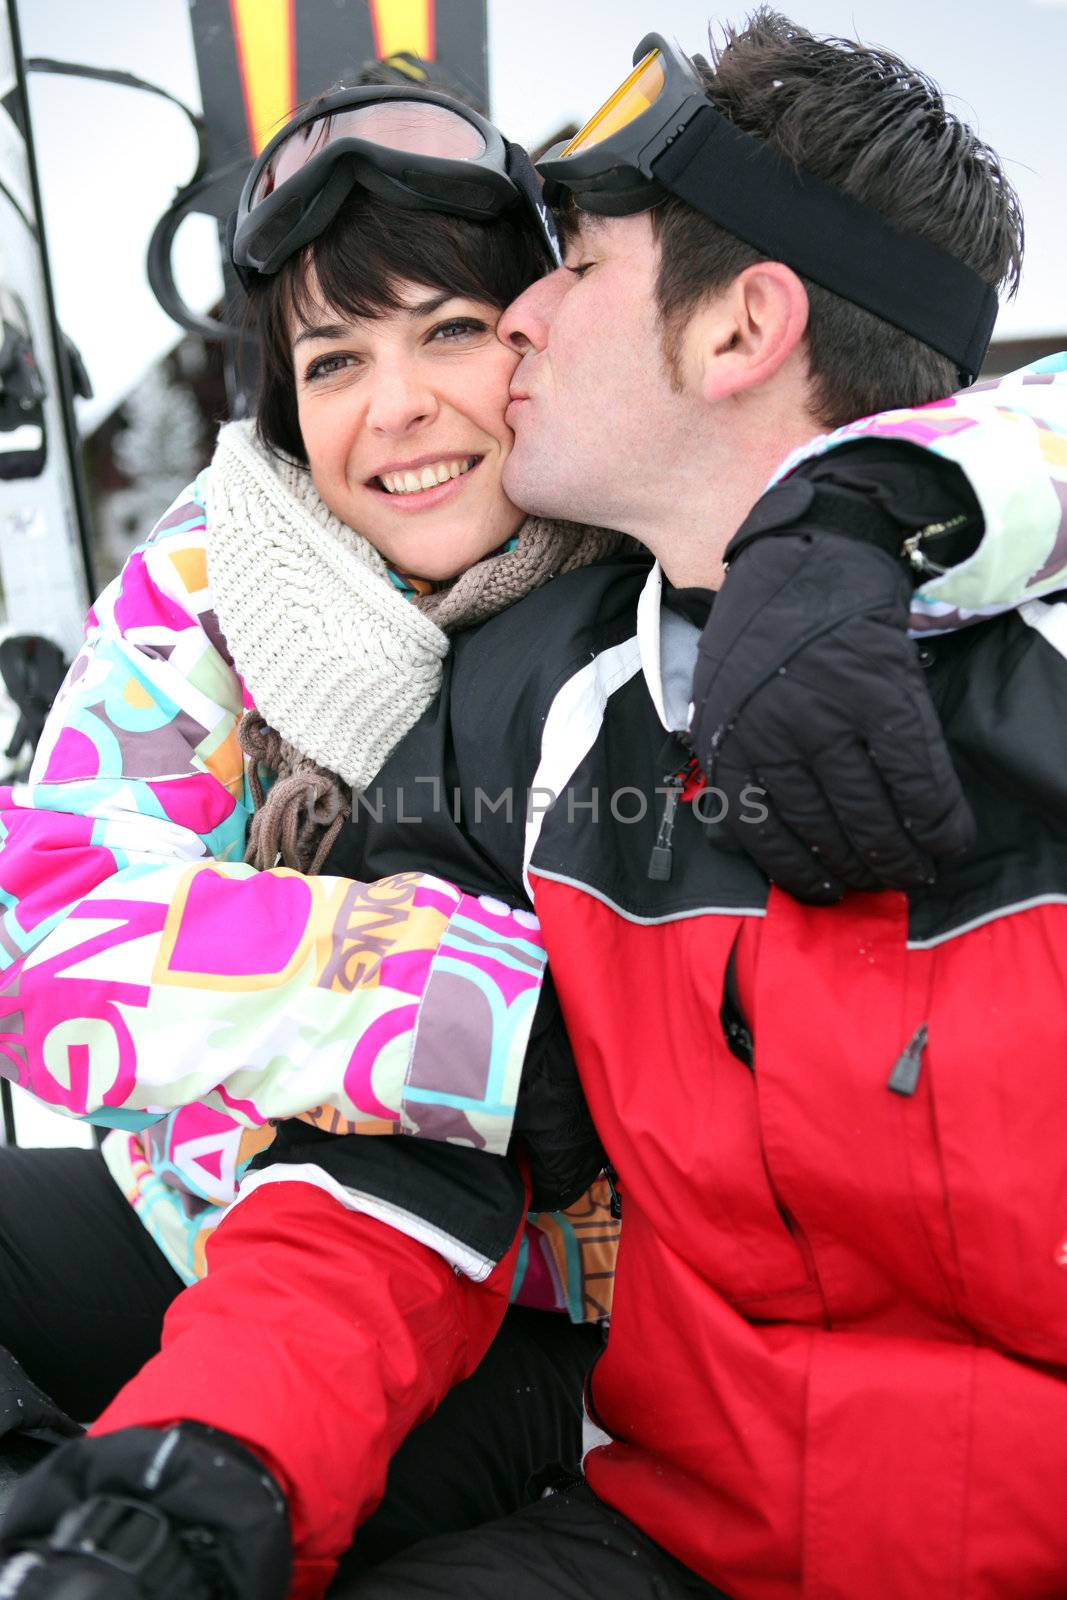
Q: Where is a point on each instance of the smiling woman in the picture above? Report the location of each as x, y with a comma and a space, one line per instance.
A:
402, 418
281, 630
380, 367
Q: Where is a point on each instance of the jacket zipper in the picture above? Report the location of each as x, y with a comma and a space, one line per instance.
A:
662, 858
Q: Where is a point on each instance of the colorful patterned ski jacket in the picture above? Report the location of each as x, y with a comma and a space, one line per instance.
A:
156, 984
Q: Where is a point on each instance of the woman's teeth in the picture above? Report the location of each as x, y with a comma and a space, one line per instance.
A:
425, 477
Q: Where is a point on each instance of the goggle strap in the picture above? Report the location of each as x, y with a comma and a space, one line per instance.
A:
824, 234
246, 276
523, 175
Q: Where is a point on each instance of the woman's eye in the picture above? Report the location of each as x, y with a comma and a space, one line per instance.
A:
327, 366
459, 328
580, 268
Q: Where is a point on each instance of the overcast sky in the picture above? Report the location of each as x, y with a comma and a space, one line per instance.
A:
111, 159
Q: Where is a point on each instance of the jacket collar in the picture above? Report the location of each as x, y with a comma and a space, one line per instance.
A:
667, 639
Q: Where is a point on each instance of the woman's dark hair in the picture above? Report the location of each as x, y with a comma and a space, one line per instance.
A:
357, 266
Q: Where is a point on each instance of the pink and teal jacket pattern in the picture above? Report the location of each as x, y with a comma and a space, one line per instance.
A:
1009, 435
151, 981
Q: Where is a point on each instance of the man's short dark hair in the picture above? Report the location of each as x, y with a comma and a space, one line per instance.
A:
357, 267
876, 128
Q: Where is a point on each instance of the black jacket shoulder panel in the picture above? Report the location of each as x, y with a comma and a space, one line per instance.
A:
1000, 689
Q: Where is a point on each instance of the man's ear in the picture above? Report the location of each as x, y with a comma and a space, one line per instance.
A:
744, 335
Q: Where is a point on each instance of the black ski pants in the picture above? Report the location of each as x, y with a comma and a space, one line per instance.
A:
83, 1292
567, 1546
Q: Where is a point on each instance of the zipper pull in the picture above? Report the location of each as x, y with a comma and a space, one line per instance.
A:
922, 565
659, 863
616, 1198
904, 1078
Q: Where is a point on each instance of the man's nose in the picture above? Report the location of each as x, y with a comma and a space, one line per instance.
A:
526, 322
400, 399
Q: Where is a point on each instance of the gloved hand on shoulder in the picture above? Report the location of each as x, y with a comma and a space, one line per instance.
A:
809, 687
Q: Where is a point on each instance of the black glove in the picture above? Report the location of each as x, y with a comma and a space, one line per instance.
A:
141, 1514
808, 687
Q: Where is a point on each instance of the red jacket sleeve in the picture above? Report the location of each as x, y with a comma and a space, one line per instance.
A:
319, 1338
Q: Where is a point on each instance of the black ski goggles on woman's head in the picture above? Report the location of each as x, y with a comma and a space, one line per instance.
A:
412, 147
659, 134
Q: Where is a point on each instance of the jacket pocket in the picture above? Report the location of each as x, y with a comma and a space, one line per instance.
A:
996, 1077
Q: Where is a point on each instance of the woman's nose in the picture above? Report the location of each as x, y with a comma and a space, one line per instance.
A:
400, 399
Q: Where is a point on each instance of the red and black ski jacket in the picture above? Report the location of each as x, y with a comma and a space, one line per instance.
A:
838, 1352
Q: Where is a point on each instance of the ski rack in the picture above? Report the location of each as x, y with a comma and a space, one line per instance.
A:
45, 564
59, 376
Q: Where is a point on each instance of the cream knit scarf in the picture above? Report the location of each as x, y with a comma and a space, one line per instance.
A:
340, 664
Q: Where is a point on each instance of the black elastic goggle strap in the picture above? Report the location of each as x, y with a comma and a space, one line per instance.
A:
523, 175
823, 234
246, 276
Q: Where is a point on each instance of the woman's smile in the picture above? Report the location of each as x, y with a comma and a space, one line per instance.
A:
423, 484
